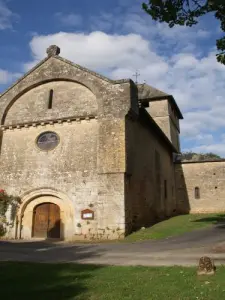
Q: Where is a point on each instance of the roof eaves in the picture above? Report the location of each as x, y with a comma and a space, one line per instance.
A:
170, 98
152, 94
146, 89
25, 75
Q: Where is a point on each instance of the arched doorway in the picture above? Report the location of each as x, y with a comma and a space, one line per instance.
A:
31, 200
46, 221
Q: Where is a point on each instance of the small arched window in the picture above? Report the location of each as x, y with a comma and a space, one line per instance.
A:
197, 192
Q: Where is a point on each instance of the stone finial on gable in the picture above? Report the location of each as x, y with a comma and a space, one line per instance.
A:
53, 50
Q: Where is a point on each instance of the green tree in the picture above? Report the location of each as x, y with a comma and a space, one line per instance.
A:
199, 156
187, 13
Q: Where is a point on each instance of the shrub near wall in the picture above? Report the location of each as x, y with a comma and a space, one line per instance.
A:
8, 203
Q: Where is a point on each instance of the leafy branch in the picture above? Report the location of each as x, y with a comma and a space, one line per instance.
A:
187, 13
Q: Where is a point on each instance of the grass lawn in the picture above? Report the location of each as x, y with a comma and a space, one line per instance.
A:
176, 226
29, 281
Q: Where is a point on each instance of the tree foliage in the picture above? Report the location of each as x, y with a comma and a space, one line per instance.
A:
186, 156
186, 13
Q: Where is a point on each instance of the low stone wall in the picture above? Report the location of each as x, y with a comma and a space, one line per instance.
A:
200, 186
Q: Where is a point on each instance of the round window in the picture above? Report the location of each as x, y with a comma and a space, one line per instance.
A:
47, 140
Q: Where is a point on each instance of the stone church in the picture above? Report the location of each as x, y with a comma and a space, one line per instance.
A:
90, 157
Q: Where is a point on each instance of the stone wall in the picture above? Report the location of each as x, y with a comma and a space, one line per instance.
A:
166, 119
209, 178
87, 167
159, 110
174, 133
146, 198
70, 168
69, 99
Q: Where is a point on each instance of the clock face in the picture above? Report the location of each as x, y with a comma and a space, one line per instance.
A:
47, 141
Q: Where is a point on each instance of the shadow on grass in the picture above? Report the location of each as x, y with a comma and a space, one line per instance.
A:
218, 220
44, 281
21, 279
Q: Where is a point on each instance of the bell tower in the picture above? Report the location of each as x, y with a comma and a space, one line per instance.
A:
163, 109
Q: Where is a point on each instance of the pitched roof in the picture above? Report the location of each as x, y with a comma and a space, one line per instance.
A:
67, 62
146, 91
92, 72
149, 93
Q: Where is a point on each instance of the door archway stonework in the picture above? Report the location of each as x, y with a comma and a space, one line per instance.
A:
35, 198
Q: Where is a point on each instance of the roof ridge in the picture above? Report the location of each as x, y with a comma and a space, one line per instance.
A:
68, 62
92, 72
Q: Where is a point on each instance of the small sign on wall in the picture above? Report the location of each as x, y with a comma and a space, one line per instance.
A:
87, 214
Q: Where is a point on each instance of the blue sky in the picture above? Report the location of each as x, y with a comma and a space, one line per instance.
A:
115, 37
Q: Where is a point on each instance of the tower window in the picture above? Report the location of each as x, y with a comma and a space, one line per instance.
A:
197, 192
50, 98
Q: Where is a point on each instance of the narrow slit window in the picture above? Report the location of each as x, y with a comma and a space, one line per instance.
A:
197, 192
50, 99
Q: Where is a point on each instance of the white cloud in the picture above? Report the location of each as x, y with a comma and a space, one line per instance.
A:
6, 16
214, 148
196, 83
199, 139
131, 18
97, 50
70, 20
202, 121
172, 60
182, 32
205, 143
103, 22
7, 77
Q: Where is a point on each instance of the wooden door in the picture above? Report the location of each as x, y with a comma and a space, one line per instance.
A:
46, 221
40, 219
54, 221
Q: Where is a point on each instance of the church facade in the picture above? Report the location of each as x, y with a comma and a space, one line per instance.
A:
89, 157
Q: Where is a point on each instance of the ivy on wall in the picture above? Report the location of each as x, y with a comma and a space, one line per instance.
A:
7, 202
